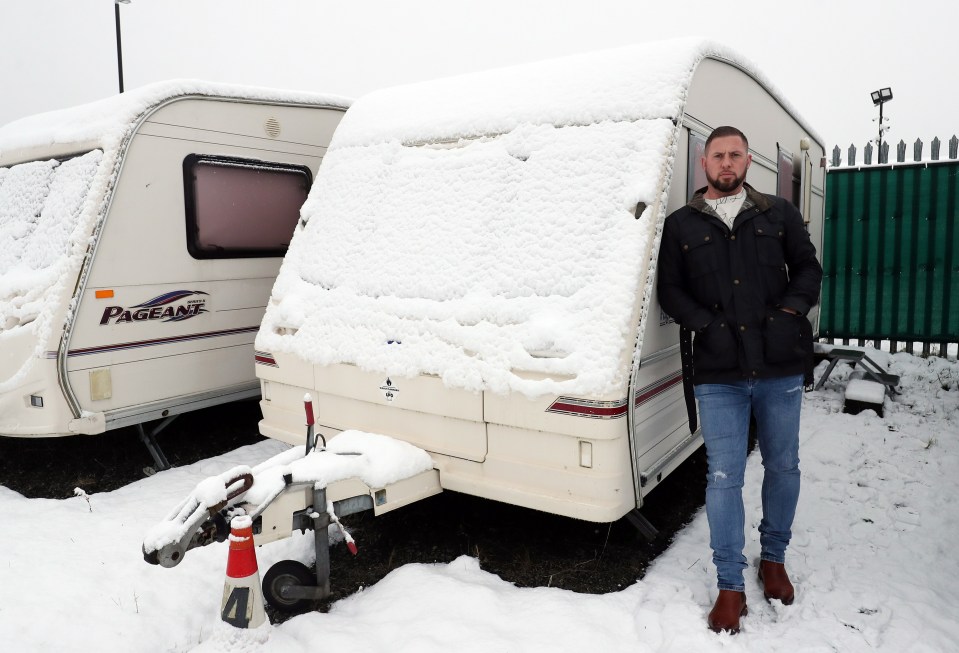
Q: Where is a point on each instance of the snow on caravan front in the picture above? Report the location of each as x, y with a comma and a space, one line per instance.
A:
139, 239
474, 270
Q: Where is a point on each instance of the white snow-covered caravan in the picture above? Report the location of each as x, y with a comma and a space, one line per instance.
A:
139, 239
474, 271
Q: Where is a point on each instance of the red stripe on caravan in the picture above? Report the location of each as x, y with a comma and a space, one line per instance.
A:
657, 388
86, 351
588, 408
264, 358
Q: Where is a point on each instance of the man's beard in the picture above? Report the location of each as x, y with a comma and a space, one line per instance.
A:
726, 186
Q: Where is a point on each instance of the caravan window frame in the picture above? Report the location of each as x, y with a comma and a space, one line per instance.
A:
695, 175
787, 183
204, 210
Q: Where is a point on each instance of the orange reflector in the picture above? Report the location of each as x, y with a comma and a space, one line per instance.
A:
103, 294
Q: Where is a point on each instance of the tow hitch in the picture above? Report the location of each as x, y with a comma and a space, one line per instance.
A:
303, 488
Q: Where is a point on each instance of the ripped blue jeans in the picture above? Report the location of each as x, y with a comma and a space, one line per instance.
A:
724, 411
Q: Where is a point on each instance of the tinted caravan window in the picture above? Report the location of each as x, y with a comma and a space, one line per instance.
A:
695, 175
241, 208
787, 184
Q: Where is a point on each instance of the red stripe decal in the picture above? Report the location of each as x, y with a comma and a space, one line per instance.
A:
158, 341
657, 388
587, 408
612, 409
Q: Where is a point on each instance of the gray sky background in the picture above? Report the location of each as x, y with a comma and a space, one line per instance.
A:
824, 55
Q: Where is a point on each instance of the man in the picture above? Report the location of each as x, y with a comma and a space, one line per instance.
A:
737, 269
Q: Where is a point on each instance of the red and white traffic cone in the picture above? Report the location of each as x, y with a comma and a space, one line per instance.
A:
242, 604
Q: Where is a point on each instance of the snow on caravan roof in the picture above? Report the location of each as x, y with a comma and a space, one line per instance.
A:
482, 228
640, 82
105, 123
51, 201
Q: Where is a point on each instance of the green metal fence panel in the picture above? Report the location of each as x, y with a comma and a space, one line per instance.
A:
891, 253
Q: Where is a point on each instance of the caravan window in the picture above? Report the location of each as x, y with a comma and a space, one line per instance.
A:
787, 184
241, 208
695, 175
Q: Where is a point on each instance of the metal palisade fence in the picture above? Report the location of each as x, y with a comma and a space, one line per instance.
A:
891, 250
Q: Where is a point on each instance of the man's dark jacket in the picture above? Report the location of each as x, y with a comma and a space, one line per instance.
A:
728, 287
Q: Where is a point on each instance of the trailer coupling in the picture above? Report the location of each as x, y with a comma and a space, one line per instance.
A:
297, 490
196, 523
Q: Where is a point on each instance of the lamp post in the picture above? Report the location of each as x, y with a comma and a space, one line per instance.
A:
879, 98
116, 14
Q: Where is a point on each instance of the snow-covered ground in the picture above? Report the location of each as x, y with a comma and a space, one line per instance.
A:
873, 558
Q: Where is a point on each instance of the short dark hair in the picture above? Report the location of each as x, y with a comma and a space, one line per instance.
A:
725, 130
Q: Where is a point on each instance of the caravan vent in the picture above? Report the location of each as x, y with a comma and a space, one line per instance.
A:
273, 127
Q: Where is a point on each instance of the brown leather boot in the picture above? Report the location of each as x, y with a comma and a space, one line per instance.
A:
775, 582
730, 606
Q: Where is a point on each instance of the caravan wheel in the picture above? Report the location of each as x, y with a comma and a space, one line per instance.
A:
284, 574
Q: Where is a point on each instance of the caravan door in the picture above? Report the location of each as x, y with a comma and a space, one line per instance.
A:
660, 438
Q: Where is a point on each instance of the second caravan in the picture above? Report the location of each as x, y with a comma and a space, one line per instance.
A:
474, 270
139, 239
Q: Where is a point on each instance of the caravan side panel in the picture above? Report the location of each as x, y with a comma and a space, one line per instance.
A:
158, 330
781, 165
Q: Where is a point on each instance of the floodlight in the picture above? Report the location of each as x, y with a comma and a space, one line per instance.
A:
880, 96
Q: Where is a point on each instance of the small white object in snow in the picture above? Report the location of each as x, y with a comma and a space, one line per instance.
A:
865, 391
78, 492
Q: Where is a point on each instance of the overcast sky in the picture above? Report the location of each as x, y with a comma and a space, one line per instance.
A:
824, 55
